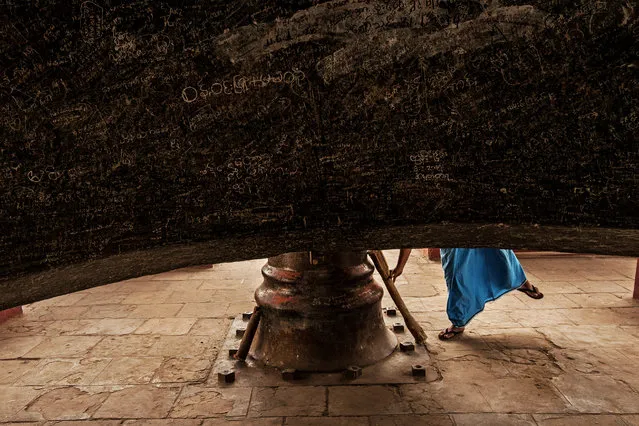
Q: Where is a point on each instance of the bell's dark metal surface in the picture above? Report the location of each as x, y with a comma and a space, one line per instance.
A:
320, 312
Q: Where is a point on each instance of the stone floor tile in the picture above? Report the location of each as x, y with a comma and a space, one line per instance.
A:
166, 326
65, 300
204, 310
523, 395
592, 360
198, 401
587, 286
235, 309
63, 346
246, 294
177, 275
632, 420
15, 347
183, 346
18, 327
418, 289
628, 284
108, 311
366, 400
128, 371
288, 401
579, 420
163, 422
492, 419
220, 283
520, 338
192, 296
433, 304
542, 317
100, 299
432, 320
599, 275
149, 286
36, 312
67, 327
509, 302
531, 363
600, 300
138, 402
625, 316
588, 316
597, 335
555, 287
125, 286
12, 370
160, 310
67, 403
181, 370
267, 421
597, 394
472, 369
147, 297
109, 326
327, 421
549, 301
411, 420
213, 327
14, 399
85, 423
631, 329
445, 397
70, 371
467, 344
491, 318
181, 285
129, 345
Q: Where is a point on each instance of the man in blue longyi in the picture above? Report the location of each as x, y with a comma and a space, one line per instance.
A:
473, 278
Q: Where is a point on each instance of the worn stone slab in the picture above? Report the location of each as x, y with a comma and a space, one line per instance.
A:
138, 138
412, 420
136, 402
288, 401
197, 402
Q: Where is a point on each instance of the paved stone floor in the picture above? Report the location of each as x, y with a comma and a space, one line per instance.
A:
140, 352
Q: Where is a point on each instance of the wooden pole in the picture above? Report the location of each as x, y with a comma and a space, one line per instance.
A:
249, 334
382, 267
635, 295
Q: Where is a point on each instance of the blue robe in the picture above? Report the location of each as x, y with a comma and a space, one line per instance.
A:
477, 276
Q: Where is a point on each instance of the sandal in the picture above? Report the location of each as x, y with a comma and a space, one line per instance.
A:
534, 292
449, 333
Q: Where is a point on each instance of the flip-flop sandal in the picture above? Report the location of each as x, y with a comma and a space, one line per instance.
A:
534, 293
449, 333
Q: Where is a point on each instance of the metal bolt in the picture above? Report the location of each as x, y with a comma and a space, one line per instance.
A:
290, 374
232, 352
407, 346
353, 372
419, 370
247, 316
391, 312
226, 376
240, 332
398, 327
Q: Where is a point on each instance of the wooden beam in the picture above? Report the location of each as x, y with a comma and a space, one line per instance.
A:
636, 292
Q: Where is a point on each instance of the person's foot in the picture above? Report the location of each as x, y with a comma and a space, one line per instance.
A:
530, 290
450, 332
